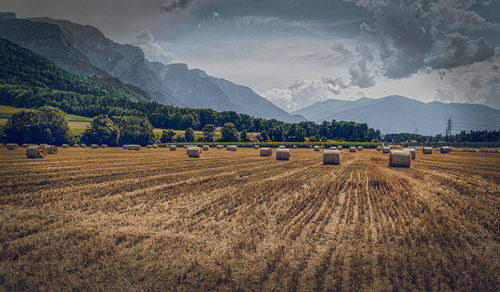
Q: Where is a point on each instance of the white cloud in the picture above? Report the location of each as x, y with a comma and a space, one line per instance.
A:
152, 50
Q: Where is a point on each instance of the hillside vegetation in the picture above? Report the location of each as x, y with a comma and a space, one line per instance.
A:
21, 67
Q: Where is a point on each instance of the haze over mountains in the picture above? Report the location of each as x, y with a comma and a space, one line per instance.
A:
398, 114
83, 49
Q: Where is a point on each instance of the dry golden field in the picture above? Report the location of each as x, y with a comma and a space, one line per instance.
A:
112, 219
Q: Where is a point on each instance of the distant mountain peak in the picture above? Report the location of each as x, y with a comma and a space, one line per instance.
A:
398, 114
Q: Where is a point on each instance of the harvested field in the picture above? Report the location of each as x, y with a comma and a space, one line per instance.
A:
158, 220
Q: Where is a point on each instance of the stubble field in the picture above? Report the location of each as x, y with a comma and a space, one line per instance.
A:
113, 219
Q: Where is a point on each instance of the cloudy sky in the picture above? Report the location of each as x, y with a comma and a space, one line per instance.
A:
298, 52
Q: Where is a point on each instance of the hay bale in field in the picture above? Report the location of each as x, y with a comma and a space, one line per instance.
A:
64, 146
25, 145
399, 158
266, 151
186, 146
412, 151
360, 148
316, 148
149, 146
283, 154
194, 152
11, 146
295, 146
155, 146
386, 149
427, 150
173, 147
206, 148
331, 157
76, 145
94, 146
379, 148
220, 146
232, 148
83, 145
322, 147
310, 146
135, 147
339, 148
255, 146
281, 147
104, 146
50, 149
35, 152
445, 149
333, 148
352, 149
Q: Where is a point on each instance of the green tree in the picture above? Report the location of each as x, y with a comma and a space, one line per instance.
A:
189, 135
44, 125
102, 130
229, 133
134, 130
208, 133
244, 136
167, 136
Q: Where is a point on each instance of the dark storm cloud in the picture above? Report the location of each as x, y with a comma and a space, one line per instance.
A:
410, 34
463, 51
175, 4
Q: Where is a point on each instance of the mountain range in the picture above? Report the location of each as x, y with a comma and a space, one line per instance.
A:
83, 49
398, 114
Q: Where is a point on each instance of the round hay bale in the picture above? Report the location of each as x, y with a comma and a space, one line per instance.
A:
83, 145
173, 147
283, 154
333, 148
206, 148
427, 150
194, 152
266, 151
352, 149
50, 149
339, 148
360, 148
76, 145
64, 146
316, 148
412, 151
35, 152
155, 146
256, 147
331, 157
295, 146
104, 146
232, 147
186, 146
11, 146
322, 147
149, 146
399, 158
310, 146
386, 149
281, 147
445, 149
379, 148
220, 146
25, 145
136, 147
94, 146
